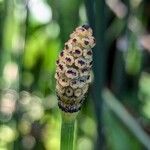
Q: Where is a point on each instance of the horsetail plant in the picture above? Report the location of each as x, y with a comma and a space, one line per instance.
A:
73, 76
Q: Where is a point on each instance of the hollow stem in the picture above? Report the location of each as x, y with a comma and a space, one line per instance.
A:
67, 132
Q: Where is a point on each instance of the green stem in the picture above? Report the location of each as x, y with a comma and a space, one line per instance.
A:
67, 133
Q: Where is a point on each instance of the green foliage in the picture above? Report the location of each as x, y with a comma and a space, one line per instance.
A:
144, 94
119, 134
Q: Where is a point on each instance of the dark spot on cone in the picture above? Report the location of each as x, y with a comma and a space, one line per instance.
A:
57, 62
61, 67
89, 53
77, 51
66, 46
86, 42
68, 59
86, 26
62, 54
71, 72
81, 62
74, 40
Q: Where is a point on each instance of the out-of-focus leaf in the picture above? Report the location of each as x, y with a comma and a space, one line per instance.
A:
118, 137
144, 93
35, 48
39, 46
119, 110
51, 54
133, 56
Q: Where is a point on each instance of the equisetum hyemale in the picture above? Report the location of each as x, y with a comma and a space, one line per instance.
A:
73, 71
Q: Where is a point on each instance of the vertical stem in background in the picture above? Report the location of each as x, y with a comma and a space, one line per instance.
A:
99, 57
100, 53
119, 78
1, 23
68, 17
4, 54
90, 13
2, 12
14, 38
22, 26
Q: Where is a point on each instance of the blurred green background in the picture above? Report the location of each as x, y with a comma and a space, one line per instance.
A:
116, 113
